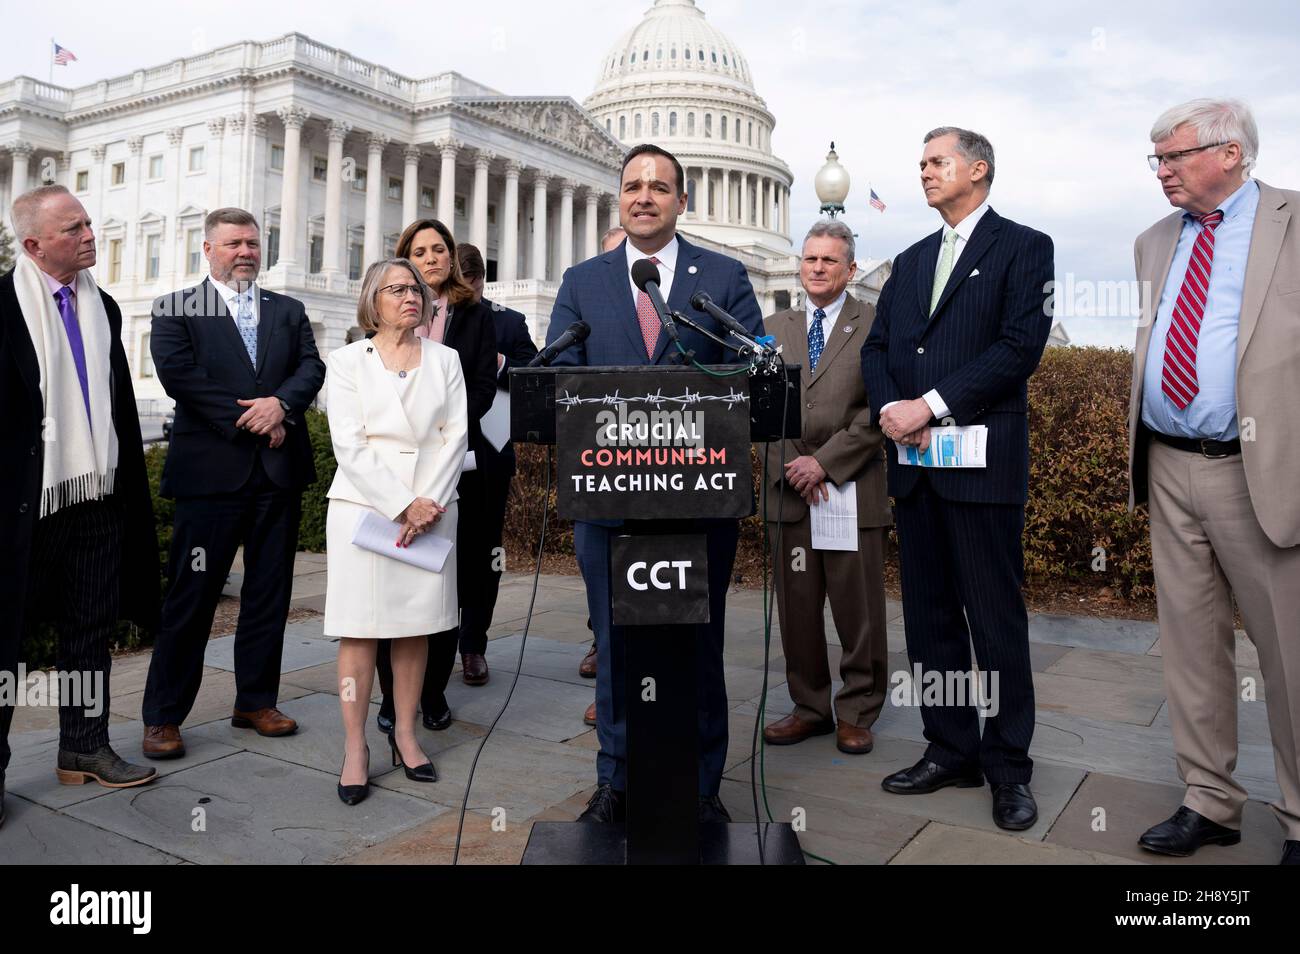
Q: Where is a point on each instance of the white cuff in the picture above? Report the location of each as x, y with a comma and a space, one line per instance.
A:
937, 407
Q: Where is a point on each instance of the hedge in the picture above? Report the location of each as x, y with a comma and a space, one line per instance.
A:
1077, 527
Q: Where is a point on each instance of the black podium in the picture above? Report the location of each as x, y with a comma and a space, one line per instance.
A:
660, 449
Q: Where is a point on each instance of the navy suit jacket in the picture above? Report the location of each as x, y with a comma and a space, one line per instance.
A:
515, 342
599, 292
203, 365
978, 349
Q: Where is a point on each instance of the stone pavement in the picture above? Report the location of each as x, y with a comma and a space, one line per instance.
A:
1104, 761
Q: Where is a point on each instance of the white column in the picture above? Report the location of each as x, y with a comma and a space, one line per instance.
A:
744, 199
232, 173
97, 154
566, 227
173, 258
290, 224
539, 226
332, 260
724, 209
411, 185
134, 146
64, 179
591, 246
373, 249
614, 222
785, 210
702, 205
447, 183
22, 154
508, 226
259, 159
478, 221
212, 164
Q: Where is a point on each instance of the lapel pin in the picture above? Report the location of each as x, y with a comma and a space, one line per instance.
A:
848, 330
692, 270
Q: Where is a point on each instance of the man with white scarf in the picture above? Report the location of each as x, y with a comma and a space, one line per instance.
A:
79, 549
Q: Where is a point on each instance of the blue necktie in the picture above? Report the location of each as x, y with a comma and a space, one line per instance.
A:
816, 339
247, 325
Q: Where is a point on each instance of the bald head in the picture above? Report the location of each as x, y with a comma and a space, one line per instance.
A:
55, 232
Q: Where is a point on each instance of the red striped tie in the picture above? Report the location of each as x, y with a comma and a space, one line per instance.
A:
648, 318
1178, 380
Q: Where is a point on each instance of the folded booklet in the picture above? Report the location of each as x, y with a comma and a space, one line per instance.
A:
949, 447
427, 551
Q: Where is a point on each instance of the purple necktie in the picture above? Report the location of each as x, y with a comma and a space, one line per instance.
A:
73, 327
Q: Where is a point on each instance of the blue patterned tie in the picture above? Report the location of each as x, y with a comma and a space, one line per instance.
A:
816, 339
247, 324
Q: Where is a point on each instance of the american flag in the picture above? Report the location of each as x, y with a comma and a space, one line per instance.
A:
62, 55
876, 203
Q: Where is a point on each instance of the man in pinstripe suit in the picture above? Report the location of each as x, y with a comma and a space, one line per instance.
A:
960, 325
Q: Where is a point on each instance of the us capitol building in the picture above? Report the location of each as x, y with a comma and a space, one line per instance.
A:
335, 154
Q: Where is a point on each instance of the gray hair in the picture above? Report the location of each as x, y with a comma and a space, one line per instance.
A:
833, 228
1215, 120
367, 302
972, 146
228, 216
26, 210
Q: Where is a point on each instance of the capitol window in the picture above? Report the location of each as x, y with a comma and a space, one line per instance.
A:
152, 255
659, 54
114, 261
359, 178
197, 157
83, 180
146, 357
708, 125
319, 168
117, 174
654, 124
751, 133
277, 158
193, 251
395, 188
155, 167
687, 54
690, 124
737, 129
426, 197
723, 130
637, 125
672, 54
672, 124
622, 127
715, 56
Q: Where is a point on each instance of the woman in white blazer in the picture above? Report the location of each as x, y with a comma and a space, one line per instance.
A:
397, 416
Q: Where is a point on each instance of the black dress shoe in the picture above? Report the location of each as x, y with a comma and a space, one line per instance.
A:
437, 723
1013, 806
607, 805
1290, 850
712, 810
925, 777
385, 723
1184, 832
355, 794
2, 803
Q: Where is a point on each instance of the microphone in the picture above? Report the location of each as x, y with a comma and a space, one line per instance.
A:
701, 301
645, 275
576, 333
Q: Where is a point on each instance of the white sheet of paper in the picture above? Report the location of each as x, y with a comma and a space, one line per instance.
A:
949, 447
470, 462
835, 521
378, 535
496, 422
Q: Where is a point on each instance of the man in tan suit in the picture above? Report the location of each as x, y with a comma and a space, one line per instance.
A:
838, 445
1215, 452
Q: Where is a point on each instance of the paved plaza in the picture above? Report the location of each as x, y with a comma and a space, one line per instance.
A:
1104, 764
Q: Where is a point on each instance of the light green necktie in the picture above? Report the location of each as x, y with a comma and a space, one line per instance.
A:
945, 267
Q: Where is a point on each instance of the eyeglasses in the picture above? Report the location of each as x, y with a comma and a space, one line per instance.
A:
401, 291
1172, 159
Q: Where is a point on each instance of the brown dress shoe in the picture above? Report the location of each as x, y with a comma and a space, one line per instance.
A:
163, 742
792, 729
587, 668
473, 669
269, 722
589, 717
852, 740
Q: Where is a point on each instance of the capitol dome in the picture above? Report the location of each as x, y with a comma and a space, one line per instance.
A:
676, 80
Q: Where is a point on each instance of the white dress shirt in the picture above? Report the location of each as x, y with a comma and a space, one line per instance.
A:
228, 295
667, 266
832, 312
964, 228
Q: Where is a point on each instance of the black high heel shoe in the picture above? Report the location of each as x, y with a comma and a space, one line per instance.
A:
421, 773
355, 794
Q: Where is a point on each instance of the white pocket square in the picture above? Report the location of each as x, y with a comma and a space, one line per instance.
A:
974, 273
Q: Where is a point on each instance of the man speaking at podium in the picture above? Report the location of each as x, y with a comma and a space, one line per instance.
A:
626, 330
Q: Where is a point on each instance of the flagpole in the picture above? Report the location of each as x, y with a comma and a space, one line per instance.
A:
51, 61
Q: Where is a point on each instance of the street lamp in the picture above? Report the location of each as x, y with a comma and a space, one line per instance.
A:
832, 184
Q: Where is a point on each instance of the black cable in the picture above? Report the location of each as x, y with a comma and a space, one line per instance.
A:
519, 666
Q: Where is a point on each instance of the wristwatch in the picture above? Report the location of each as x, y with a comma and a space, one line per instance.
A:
284, 404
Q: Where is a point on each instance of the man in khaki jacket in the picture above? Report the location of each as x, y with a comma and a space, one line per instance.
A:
838, 445
1215, 451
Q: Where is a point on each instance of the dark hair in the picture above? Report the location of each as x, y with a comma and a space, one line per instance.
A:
455, 288
649, 148
227, 216
471, 262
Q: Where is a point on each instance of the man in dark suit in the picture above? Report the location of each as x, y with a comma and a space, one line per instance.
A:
960, 326
625, 331
496, 469
242, 366
79, 549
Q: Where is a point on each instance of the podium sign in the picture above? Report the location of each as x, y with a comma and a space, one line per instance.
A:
659, 580
647, 446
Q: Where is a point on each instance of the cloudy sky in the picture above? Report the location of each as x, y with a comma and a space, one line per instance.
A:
1066, 90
